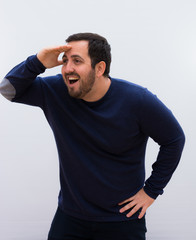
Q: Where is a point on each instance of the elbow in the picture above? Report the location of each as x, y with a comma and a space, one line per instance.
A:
7, 89
180, 142
183, 138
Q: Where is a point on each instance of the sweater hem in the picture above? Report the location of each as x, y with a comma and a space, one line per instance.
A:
118, 217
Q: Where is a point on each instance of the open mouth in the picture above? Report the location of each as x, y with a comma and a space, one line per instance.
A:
72, 80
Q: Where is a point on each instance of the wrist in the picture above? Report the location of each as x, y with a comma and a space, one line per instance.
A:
34, 65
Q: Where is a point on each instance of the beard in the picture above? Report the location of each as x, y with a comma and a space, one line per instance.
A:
85, 86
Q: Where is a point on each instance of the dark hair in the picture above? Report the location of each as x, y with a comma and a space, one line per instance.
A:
98, 48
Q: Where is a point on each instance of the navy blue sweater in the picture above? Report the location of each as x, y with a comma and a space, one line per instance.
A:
101, 145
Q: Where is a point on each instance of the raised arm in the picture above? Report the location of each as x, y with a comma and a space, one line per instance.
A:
23, 76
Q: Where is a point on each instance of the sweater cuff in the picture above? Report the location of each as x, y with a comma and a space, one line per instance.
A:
34, 65
150, 193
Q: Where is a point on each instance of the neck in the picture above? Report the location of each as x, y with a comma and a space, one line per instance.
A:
99, 89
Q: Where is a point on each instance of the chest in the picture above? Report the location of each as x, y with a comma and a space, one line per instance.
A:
112, 129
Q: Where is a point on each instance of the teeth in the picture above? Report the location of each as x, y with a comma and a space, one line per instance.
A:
73, 78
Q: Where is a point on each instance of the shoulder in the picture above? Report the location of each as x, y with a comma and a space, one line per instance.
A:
126, 86
134, 94
128, 90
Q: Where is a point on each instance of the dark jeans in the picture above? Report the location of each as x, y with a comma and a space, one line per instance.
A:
65, 227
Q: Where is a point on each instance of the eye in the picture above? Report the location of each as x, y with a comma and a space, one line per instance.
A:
77, 61
64, 60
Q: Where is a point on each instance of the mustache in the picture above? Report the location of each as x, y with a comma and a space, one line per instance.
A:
72, 74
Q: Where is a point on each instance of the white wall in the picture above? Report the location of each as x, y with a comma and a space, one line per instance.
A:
153, 44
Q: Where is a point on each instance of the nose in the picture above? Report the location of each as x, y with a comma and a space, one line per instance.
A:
68, 68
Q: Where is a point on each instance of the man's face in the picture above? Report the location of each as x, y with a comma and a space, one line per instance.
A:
77, 72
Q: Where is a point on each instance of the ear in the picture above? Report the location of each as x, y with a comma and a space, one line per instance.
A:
100, 68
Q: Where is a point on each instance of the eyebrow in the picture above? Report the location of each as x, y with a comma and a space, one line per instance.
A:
73, 56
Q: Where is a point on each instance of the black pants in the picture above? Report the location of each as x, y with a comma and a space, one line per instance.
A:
65, 227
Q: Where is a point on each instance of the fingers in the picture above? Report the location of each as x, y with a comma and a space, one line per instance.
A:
127, 206
49, 56
140, 201
135, 207
126, 201
133, 211
63, 48
143, 211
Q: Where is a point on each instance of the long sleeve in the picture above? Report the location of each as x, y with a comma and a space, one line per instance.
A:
159, 123
23, 79
101, 145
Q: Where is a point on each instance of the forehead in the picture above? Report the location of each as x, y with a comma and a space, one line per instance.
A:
78, 48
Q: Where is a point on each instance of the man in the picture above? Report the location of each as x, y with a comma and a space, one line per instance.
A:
101, 127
